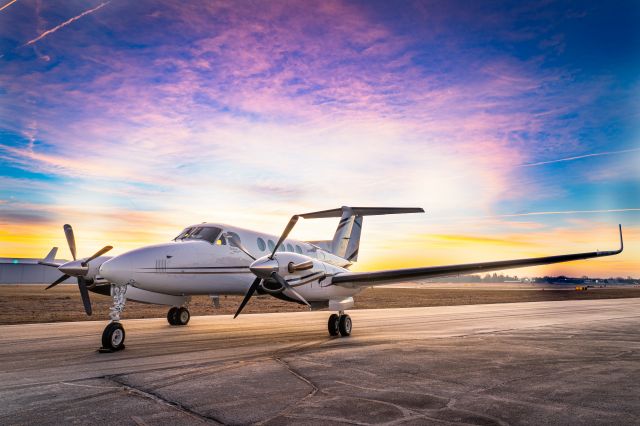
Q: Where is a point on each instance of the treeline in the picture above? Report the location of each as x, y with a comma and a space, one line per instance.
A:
500, 278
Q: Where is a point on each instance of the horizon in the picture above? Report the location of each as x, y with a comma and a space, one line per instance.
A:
516, 127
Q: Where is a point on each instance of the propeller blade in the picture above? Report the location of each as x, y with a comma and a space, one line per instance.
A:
233, 240
100, 252
247, 296
286, 285
285, 233
58, 281
68, 232
84, 293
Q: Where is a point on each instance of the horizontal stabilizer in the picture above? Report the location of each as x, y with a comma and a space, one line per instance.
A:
361, 211
50, 259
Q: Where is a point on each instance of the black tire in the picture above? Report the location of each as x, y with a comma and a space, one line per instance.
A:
345, 325
182, 316
172, 316
113, 336
333, 325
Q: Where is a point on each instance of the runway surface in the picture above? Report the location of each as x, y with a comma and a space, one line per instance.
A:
573, 362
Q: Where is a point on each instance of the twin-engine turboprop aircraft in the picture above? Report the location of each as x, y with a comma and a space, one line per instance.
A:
215, 259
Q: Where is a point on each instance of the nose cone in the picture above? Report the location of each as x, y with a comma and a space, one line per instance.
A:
73, 268
263, 267
117, 270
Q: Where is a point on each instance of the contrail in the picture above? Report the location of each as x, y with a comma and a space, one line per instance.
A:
499, 216
597, 154
561, 212
7, 5
65, 23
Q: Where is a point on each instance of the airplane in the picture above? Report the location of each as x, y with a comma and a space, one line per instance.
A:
217, 259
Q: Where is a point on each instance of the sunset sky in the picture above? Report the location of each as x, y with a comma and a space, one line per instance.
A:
516, 127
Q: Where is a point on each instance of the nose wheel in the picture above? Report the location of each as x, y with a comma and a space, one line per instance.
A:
339, 325
113, 337
178, 316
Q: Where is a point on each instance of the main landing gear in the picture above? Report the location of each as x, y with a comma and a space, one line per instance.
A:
178, 316
340, 324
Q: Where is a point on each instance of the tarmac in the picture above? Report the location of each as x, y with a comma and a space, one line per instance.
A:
569, 362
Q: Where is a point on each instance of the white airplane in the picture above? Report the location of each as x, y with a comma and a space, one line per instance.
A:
216, 259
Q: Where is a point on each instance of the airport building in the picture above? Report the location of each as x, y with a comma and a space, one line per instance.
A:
14, 270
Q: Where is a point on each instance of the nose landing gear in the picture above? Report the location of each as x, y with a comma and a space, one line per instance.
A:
339, 324
178, 316
113, 337
113, 334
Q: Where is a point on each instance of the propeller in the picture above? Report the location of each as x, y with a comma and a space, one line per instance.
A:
285, 234
267, 269
75, 268
252, 289
68, 232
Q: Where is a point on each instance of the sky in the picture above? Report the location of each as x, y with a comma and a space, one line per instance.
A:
515, 125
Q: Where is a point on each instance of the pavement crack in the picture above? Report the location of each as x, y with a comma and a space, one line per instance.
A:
314, 390
200, 418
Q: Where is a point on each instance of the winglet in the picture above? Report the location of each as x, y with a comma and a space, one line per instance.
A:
621, 242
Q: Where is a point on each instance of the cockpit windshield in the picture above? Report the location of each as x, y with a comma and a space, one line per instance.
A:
205, 233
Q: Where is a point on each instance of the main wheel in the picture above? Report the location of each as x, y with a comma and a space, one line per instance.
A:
182, 316
333, 325
113, 336
345, 325
172, 316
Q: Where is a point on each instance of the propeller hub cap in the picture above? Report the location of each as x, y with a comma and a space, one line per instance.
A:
73, 268
264, 267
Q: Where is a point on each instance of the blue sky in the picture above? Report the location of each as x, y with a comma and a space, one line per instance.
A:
130, 120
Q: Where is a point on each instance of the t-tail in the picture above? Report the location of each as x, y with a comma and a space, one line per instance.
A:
346, 240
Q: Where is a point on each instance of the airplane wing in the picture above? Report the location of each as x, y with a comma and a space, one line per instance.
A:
367, 279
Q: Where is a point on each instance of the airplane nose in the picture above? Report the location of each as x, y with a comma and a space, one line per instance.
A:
117, 270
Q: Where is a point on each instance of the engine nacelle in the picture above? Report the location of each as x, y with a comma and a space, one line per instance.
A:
296, 269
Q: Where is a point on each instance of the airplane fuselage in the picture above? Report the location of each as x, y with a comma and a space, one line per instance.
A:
188, 266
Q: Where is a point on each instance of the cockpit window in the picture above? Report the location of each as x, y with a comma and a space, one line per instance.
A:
206, 233
183, 234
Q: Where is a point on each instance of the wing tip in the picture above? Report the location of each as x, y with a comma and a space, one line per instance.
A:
621, 240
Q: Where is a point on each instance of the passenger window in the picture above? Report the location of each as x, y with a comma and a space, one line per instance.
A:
261, 245
290, 248
298, 249
282, 248
234, 236
271, 245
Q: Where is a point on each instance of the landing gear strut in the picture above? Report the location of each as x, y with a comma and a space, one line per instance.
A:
113, 334
339, 324
178, 316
